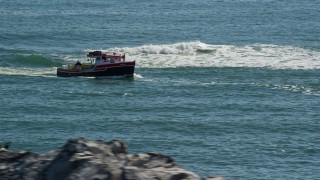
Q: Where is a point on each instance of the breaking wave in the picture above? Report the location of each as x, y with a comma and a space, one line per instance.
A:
199, 54
185, 54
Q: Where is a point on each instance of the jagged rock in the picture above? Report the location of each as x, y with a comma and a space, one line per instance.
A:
82, 159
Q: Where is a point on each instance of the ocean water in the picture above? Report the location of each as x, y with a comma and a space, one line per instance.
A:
226, 87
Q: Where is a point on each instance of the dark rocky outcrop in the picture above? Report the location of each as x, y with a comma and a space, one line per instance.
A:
81, 159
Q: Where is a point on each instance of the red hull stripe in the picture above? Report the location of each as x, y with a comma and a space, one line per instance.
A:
104, 66
98, 68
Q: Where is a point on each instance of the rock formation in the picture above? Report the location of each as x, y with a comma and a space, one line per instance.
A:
81, 159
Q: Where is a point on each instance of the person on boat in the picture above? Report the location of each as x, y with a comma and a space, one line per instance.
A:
78, 65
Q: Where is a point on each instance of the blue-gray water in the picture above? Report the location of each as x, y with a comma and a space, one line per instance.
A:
225, 87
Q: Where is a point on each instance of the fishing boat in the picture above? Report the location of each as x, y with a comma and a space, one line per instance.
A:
99, 64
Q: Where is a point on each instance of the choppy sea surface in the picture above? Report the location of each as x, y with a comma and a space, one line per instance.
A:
226, 87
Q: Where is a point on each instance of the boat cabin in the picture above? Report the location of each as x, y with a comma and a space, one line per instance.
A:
101, 58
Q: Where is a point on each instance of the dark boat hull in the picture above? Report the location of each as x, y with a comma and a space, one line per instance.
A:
124, 69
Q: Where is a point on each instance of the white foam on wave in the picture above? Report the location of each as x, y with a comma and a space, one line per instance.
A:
295, 88
199, 54
43, 72
137, 76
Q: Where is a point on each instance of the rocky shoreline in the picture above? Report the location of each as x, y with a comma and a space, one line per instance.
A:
82, 159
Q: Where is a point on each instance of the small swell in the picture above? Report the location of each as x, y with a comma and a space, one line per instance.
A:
28, 61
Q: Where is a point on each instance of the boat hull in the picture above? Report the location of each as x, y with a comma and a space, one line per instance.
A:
121, 69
